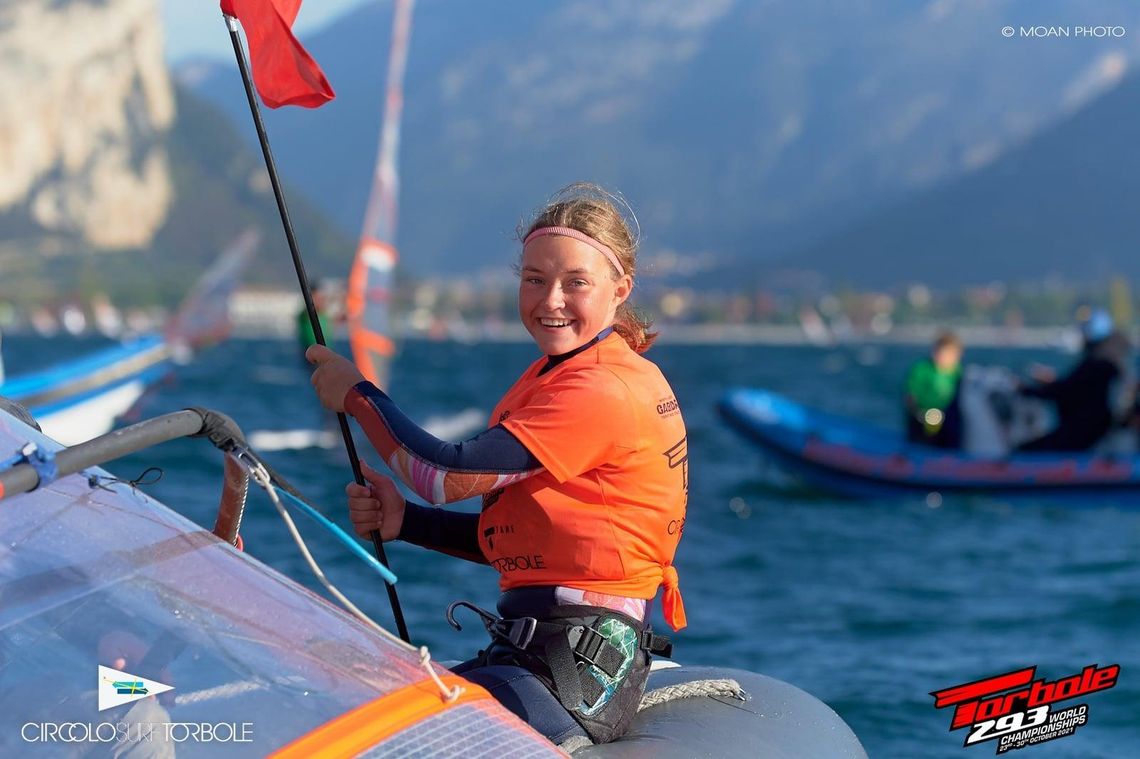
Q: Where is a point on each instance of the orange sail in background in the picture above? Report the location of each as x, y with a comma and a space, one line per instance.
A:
370, 281
367, 304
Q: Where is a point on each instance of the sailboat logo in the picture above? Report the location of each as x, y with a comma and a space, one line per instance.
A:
117, 688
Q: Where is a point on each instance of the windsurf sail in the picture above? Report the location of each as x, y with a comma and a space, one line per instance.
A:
203, 317
370, 281
94, 571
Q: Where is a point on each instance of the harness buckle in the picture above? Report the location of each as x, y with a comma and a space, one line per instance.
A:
658, 645
520, 632
588, 645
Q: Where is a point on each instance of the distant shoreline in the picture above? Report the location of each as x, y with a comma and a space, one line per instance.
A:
1065, 338
757, 334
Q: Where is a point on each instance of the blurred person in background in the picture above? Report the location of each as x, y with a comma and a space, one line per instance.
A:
326, 315
1096, 394
930, 397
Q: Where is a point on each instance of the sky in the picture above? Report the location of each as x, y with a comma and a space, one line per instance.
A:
195, 27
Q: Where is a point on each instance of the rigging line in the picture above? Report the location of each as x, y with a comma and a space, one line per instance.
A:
261, 477
253, 463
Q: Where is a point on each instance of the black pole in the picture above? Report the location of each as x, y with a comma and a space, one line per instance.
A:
302, 278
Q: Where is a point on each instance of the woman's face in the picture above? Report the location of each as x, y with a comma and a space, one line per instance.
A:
567, 293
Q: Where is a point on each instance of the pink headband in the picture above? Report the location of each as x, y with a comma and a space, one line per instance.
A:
581, 237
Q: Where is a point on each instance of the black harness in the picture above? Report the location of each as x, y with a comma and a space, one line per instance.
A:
562, 647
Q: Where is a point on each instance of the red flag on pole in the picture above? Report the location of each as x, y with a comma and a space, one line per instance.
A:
283, 71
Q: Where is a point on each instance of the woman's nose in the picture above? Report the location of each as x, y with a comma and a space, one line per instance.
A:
554, 299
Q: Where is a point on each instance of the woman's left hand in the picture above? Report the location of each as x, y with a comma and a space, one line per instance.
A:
334, 376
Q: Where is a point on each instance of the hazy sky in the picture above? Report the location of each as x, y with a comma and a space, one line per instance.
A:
195, 27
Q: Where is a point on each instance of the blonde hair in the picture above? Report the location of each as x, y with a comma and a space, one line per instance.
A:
594, 211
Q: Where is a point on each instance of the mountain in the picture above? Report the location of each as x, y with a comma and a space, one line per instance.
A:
1063, 204
114, 180
218, 188
221, 188
81, 123
738, 130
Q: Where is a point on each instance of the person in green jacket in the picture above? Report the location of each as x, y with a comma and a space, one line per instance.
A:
305, 333
931, 394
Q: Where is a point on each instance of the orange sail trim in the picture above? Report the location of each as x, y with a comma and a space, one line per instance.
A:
368, 725
369, 288
376, 343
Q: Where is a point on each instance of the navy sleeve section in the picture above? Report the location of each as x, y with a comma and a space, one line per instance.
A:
493, 450
452, 532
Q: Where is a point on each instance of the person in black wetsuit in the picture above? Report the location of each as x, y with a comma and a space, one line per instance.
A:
1084, 398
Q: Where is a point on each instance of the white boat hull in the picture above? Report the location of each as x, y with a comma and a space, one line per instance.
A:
92, 417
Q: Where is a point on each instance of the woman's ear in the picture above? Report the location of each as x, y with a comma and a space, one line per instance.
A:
622, 288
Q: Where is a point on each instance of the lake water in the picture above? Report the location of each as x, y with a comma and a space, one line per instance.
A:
867, 605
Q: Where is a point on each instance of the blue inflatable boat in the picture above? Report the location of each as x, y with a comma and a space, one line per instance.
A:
854, 458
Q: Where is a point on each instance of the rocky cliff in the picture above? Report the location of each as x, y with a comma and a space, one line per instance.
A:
87, 103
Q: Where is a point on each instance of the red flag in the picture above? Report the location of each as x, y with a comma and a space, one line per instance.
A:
283, 71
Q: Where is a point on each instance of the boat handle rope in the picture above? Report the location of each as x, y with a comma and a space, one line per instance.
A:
149, 476
450, 695
260, 474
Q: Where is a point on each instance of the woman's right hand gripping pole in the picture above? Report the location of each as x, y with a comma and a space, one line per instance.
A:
376, 506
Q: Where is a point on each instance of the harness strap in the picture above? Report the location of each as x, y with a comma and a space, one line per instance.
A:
569, 650
595, 649
564, 671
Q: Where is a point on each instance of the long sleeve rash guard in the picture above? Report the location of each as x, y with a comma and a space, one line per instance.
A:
439, 471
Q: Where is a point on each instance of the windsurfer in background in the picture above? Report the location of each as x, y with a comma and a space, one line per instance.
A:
327, 317
583, 475
322, 301
931, 395
1094, 396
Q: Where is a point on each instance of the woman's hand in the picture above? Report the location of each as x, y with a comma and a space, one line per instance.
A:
1042, 374
334, 376
376, 506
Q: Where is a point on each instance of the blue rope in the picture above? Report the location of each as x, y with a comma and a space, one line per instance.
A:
340, 535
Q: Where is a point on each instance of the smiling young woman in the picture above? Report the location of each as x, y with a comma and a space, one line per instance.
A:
583, 472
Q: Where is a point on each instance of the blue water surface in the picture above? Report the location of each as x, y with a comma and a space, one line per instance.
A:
867, 605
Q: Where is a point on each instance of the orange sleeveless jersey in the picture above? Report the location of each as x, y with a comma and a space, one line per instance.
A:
609, 509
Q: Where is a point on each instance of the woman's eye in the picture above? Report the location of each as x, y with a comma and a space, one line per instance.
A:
532, 281
578, 283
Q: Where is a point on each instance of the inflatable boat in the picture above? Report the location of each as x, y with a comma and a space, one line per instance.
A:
849, 457
202, 650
